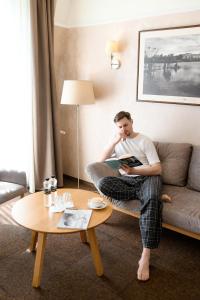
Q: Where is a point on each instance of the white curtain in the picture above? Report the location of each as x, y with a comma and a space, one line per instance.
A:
16, 88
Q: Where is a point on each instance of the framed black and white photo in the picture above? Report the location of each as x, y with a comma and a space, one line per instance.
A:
169, 65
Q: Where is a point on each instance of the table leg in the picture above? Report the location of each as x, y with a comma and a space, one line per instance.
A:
83, 236
39, 259
95, 251
34, 238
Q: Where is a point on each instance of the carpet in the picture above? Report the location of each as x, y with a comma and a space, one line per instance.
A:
68, 271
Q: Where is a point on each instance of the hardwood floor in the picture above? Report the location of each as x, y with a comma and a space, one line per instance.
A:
71, 182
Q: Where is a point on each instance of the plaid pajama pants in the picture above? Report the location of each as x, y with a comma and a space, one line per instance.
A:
147, 189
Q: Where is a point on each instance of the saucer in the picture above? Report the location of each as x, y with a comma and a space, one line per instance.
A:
100, 205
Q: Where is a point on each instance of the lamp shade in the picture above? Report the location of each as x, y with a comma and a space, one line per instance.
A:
77, 92
112, 46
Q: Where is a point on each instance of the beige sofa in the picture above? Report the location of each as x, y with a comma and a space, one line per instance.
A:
181, 180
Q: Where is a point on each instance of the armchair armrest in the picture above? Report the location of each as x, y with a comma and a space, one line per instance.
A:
13, 176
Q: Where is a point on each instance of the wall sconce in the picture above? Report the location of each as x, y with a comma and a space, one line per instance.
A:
112, 50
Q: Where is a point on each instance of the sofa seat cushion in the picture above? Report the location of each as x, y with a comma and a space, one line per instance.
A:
174, 158
10, 190
194, 170
182, 212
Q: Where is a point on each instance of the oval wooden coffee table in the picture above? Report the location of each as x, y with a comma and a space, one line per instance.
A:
31, 213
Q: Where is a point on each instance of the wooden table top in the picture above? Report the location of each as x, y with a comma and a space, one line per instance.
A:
31, 213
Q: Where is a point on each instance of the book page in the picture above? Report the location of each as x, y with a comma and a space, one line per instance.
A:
127, 155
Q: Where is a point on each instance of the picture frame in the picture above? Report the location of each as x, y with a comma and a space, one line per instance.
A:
169, 65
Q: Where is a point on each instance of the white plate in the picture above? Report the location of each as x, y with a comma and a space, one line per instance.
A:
93, 206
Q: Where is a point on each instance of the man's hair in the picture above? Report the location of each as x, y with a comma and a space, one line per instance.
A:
122, 114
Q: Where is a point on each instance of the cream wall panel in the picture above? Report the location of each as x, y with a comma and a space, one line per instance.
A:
80, 54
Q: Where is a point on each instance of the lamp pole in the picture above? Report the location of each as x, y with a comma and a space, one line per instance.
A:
77, 142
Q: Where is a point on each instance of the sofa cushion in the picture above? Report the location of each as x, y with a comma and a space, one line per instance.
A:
175, 159
194, 170
180, 212
184, 210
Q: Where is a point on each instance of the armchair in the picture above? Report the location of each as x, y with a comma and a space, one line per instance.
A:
12, 184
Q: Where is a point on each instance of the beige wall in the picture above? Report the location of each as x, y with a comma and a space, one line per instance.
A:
76, 13
80, 54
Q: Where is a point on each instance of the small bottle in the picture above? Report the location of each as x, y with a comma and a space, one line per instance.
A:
53, 181
47, 186
47, 192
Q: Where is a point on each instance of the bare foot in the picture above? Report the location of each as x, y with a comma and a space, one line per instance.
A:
166, 198
143, 270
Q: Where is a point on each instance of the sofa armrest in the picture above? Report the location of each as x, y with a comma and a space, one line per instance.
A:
13, 176
96, 171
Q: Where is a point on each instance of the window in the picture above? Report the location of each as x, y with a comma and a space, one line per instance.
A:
15, 86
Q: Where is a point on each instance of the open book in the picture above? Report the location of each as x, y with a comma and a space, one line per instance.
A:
75, 218
126, 159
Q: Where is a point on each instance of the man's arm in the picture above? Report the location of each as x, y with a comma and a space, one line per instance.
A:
150, 170
107, 152
110, 148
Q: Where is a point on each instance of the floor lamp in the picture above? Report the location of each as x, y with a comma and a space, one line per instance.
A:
77, 92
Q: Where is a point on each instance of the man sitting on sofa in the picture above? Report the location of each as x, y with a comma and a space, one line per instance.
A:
141, 182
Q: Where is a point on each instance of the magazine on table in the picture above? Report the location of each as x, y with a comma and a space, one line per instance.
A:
75, 219
126, 159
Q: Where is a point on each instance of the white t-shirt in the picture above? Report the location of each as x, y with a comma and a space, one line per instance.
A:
140, 146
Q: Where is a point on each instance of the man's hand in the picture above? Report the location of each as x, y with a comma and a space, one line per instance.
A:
128, 170
149, 170
118, 137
